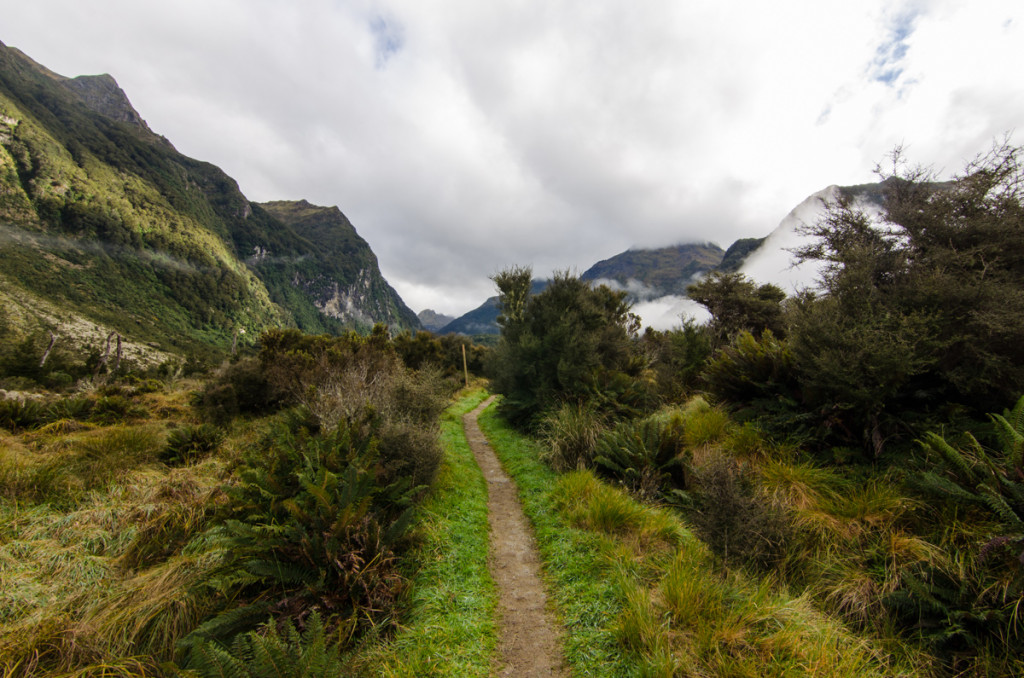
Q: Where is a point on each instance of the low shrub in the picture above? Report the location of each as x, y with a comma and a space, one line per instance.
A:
115, 408
76, 408
269, 653
19, 415
731, 515
572, 432
648, 457
309, 526
189, 444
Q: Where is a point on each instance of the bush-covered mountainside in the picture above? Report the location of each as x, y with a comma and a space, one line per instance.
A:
326, 266
105, 224
661, 271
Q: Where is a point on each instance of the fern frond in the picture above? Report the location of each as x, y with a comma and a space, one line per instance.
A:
950, 454
999, 506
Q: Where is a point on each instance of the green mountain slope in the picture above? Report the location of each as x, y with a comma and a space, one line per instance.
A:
662, 271
105, 220
327, 275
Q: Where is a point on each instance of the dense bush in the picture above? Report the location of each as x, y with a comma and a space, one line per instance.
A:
310, 527
921, 312
677, 358
241, 388
732, 516
737, 305
571, 342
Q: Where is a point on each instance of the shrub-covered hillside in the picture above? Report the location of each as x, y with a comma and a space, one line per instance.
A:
859, 446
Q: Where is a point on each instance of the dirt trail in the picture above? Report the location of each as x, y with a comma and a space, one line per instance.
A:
529, 640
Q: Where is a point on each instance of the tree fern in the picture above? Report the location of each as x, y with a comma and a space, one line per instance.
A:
309, 526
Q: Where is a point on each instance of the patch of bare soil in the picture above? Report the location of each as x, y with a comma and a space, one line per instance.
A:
529, 640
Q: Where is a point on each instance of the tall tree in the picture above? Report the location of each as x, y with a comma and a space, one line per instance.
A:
738, 304
922, 307
570, 342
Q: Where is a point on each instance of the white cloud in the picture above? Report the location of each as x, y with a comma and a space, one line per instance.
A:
461, 137
669, 312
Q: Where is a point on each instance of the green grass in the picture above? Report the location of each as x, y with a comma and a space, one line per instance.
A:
575, 566
639, 595
450, 628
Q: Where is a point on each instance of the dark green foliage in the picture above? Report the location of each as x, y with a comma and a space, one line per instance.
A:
648, 457
189, 444
310, 527
571, 342
269, 653
923, 311
421, 349
424, 349
677, 357
978, 605
18, 415
760, 378
739, 305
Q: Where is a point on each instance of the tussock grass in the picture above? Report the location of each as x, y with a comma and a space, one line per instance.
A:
571, 433
639, 596
592, 505
89, 520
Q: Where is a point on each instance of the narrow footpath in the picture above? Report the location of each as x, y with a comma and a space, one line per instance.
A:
529, 641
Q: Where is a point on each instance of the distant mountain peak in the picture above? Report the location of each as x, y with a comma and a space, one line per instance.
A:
432, 320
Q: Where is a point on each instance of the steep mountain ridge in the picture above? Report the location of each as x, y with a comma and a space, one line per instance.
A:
107, 221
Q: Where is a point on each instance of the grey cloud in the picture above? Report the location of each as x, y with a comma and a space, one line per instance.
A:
461, 137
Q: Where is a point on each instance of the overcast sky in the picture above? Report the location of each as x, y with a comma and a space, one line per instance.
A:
463, 136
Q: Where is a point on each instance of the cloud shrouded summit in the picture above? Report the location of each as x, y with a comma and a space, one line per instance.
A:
461, 137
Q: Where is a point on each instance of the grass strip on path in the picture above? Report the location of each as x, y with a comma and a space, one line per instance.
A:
450, 628
576, 570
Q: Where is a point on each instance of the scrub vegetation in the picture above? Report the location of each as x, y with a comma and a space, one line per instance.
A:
261, 517
847, 463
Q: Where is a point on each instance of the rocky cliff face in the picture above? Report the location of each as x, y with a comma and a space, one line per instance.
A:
333, 266
432, 320
102, 94
106, 221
